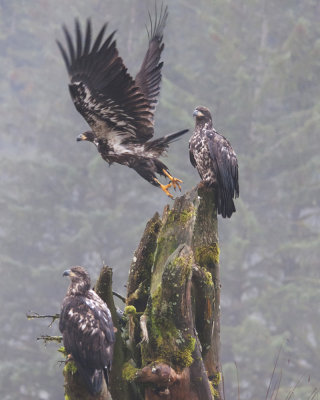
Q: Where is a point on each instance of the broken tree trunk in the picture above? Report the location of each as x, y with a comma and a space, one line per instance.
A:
173, 303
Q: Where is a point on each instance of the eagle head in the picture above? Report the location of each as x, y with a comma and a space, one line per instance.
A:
89, 136
202, 114
80, 280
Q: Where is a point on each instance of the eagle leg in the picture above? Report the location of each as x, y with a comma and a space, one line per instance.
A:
164, 188
174, 181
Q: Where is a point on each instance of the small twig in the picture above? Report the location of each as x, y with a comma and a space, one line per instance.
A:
119, 296
290, 394
48, 338
314, 393
277, 387
273, 372
235, 363
34, 315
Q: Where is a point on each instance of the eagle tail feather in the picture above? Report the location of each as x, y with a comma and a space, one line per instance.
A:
92, 378
225, 204
158, 146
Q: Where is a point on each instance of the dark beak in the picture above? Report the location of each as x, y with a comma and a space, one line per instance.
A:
81, 137
66, 272
197, 113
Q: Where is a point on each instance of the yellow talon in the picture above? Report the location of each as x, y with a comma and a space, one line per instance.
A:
174, 181
164, 187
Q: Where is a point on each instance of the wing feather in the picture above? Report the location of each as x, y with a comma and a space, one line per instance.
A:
149, 76
224, 162
102, 90
191, 156
87, 43
225, 165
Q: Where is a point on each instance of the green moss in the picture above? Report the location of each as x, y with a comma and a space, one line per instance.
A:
214, 384
168, 343
70, 367
130, 310
207, 256
214, 392
66, 397
208, 278
184, 357
181, 217
63, 351
217, 379
129, 372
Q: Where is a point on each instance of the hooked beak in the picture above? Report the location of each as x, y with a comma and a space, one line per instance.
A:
67, 272
81, 137
197, 113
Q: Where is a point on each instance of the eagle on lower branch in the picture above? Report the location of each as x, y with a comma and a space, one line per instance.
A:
87, 329
120, 109
215, 160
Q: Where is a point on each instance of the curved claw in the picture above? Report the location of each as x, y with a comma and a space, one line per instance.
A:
175, 182
164, 188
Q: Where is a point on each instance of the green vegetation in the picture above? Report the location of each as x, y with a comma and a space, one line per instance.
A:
129, 372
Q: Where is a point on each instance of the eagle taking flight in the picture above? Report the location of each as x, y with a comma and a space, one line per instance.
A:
215, 160
87, 329
120, 109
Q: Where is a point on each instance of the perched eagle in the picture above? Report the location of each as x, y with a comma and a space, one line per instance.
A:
215, 160
120, 109
87, 329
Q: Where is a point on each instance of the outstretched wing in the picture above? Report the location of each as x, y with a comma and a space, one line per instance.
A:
225, 164
148, 79
101, 88
88, 335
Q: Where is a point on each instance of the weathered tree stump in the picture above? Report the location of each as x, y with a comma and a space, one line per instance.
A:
174, 294
170, 347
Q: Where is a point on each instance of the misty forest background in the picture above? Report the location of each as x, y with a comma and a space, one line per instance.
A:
256, 65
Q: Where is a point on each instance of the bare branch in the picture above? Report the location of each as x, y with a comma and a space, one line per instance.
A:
34, 315
48, 338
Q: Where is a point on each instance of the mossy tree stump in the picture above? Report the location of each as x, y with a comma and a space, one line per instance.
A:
174, 301
170, 347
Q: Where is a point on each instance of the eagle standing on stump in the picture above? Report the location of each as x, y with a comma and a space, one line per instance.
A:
120, 109
87, 329
215, 160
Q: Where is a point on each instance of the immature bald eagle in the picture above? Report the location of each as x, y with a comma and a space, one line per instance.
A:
119, 109
215, 160
87, 329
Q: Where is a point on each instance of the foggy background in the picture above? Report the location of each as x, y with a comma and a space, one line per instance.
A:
256, 65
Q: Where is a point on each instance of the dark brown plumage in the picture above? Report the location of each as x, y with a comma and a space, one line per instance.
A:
215, 160
120, 109
87, 329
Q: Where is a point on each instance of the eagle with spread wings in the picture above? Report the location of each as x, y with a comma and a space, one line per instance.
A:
87, 329
215, 160
119, 109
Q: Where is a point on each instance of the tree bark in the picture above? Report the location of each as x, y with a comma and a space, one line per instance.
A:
174, 301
